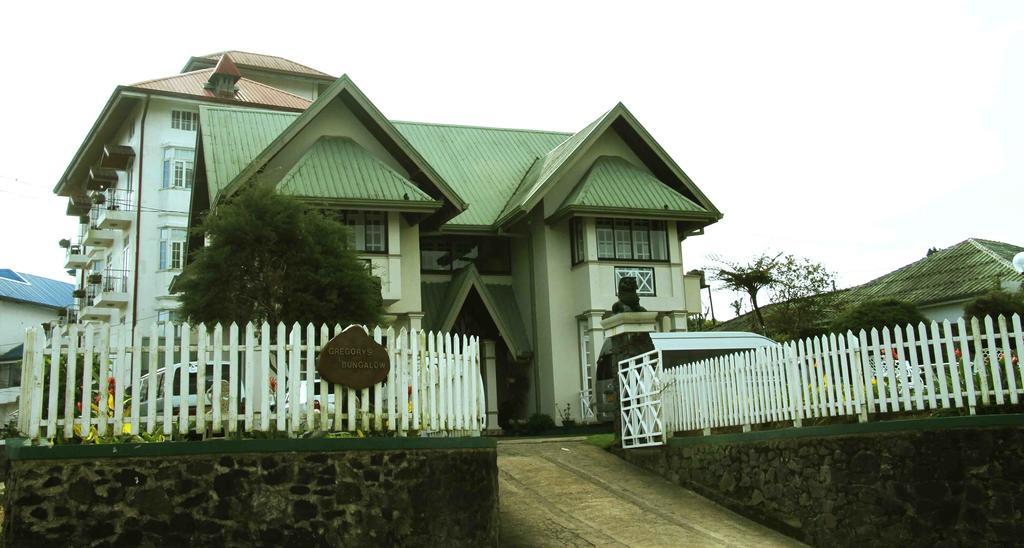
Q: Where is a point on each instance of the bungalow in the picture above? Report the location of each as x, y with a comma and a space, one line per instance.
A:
518, 236
940, 285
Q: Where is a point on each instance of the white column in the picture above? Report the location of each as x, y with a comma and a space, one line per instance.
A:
491, 383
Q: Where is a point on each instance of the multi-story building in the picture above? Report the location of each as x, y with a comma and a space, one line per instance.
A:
518, 236
130, 181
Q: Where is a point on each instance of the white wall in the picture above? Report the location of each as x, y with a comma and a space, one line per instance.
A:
16, 317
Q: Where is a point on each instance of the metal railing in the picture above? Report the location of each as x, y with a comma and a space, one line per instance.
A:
115, 280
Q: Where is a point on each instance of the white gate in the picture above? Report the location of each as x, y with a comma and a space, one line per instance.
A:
640, 400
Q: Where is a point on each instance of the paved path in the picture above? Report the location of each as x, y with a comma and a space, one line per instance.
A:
568, 493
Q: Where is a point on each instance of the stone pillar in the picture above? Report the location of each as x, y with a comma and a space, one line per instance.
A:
491, 383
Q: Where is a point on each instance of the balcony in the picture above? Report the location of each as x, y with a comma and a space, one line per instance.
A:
69, 315
114, 209
90, 311
75, 256
112, 289
96, 237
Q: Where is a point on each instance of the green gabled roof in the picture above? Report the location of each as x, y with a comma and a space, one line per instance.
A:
345, 90
960, 272
432, 296
967, 269
442, 302
337, 169
232, 137
483, 165
546, 166
547, 170
613, 183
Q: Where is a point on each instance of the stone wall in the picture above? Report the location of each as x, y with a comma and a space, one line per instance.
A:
421, 497
953, 487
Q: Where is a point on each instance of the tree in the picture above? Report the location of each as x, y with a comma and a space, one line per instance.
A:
878, 313
801, 293
995, 303
749, 278
271, 259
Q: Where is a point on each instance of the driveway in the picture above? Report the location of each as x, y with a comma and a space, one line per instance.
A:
567, 493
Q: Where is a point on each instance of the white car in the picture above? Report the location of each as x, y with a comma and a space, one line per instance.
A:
191, 400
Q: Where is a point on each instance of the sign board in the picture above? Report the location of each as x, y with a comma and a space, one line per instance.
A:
354, 360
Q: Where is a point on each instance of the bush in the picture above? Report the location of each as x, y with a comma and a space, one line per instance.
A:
995, 303
878, 314
539, 423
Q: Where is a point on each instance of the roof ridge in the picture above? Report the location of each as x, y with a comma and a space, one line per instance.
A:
207, 56
990, 253
178, 75
470, 126
261, 84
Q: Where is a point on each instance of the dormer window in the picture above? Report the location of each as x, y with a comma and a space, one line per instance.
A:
184, 120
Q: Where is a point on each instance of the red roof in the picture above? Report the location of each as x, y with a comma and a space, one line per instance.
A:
227, 67
259, 61
249, 91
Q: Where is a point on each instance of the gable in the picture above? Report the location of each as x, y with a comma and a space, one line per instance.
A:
614, 185
232, 138
343, 111
336, 121
337, 171
564, 162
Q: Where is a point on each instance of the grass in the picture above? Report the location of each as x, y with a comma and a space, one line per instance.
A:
602, 441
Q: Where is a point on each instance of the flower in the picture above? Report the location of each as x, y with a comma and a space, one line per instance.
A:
111, 384
78, 406
874, 382
957, 353
273, 384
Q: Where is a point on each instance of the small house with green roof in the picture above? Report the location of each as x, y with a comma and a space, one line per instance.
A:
940, 284
518, 236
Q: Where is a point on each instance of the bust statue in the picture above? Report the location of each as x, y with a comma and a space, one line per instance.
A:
628, 301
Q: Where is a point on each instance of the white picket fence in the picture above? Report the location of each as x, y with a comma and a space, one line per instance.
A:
908, 369
99, 377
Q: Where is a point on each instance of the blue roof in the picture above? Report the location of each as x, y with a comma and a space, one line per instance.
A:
18, 286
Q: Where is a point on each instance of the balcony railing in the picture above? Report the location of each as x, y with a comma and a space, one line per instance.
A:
111, 209
114, 281
68, 315
75, 256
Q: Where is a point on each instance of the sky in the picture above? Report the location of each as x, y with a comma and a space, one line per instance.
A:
855, 134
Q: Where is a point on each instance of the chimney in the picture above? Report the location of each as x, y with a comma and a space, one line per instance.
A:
225, 75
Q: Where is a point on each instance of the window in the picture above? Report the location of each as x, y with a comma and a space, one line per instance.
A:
10, 375
126, 258
368, 230
644, 276
632, 240
172, 248
163, 317
445, 254
605, 240
184, 120
578, 233
178, 167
